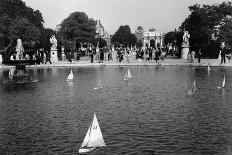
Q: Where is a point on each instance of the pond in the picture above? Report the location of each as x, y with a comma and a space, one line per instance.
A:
150, 114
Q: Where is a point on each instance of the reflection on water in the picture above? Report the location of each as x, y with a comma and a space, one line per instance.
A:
70, 85
150, 114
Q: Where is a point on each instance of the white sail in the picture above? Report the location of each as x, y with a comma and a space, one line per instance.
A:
129, 74
99, 85
96, 138
86, 139
70, 76
224, 81
93, 137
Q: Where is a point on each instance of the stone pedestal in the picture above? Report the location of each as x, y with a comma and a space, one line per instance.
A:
54, 57
185, 51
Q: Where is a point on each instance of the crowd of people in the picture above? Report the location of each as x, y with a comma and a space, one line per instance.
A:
224, 54
119, 54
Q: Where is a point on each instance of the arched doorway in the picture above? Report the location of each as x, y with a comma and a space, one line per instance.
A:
152, 43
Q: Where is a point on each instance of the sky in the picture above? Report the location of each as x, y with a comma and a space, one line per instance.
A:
164, 15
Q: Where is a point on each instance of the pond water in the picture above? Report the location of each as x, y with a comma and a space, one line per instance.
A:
150, 114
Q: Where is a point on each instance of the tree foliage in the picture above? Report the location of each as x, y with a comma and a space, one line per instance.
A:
174, 37
201, 25
124, 36
170, 37
18, 21
226, 33
78, 27
44, 38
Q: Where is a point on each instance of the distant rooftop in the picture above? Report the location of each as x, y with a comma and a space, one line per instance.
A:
139, 28
152, 29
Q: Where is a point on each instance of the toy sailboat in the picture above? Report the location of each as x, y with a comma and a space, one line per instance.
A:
128, 75
194, 88
70, 76
99, 85
93, 137
223, 83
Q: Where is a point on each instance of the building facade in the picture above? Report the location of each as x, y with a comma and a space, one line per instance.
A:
99, 29
151, 38
101, 33
139, 33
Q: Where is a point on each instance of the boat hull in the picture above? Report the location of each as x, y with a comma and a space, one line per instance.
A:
191, 92
85, 150
126, 79
220, 87
96, 88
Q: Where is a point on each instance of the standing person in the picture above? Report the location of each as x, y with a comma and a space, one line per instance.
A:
150, 53
101, 55
91, 55
98, 53
110, 55
127, 56
199, 55
48, 57
156, 56
223, 53
189, 57
69, 55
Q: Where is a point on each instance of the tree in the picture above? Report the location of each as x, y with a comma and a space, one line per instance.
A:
170, 37
45, 36
22, 28
102, 42
18, 21
201, 24
226, 33
139, 44
124, 36
78, 27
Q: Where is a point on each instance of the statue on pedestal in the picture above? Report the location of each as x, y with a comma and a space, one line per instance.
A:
19, 49
53, 51
53, 41
186, 37
185, 45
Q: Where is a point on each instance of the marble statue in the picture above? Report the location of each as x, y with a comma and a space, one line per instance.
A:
53, 42
186, 37
19, 49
